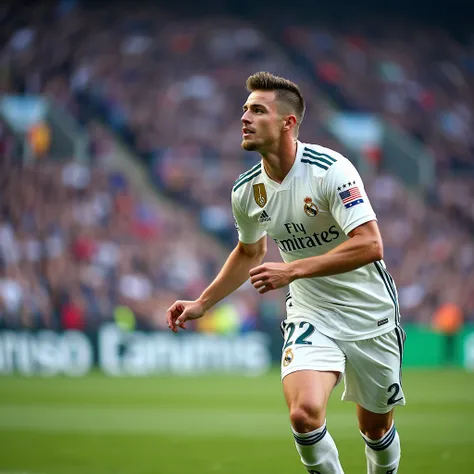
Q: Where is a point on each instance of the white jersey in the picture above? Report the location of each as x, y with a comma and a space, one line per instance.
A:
320, 201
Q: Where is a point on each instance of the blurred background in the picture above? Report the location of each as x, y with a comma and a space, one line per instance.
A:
119, 145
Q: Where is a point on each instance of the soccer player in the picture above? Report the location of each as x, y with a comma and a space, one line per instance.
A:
342, 309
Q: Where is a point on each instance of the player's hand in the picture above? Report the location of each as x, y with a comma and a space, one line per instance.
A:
270, 276
181, 311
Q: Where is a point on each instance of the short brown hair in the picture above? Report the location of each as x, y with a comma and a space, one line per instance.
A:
287, 92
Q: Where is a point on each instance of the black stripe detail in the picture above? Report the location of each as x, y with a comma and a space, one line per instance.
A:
394, 291
385, 443
385, 280
387, 286
288, 297
310, 439
318, 435
381, 440
237, 186
250, 171
324, 167
318, 154
401, 343
329, 163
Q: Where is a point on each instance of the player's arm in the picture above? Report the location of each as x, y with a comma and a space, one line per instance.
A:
233, 274
364, 246
248, 253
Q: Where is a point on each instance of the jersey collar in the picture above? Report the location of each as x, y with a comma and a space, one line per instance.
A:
292, 173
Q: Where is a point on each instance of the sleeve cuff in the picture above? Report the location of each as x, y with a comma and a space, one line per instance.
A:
358, 222
251, 241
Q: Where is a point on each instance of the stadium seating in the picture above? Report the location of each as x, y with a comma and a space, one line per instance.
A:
173, 90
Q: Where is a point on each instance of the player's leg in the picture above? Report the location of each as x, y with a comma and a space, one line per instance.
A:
306, 393
382, 441
373, 382
311, 366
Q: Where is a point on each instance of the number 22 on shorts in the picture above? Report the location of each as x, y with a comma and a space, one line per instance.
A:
302, 339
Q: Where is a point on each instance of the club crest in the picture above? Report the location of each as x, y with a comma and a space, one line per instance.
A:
310, 209
260, 194
288, 357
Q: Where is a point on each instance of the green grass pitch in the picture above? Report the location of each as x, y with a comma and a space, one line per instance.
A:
213, 424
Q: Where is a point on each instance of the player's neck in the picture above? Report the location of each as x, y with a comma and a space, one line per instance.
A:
278, 163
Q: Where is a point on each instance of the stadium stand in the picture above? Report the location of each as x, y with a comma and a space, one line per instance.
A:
76, 241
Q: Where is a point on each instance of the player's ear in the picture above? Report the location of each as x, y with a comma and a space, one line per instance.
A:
289, 123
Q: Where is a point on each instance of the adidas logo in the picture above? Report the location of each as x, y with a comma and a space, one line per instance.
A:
264, 217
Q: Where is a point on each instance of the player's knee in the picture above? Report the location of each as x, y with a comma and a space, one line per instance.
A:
374, 425
375, 433
375, 430
307, 417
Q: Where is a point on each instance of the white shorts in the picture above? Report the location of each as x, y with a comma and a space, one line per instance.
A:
371, 368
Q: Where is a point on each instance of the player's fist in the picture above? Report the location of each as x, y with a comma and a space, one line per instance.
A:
181, 311
271, 276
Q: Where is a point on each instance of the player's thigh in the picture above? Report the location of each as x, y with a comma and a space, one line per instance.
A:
309, 390
311, 363
374, 371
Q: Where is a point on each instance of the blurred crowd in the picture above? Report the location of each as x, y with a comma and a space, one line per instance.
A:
77, 241
79, 246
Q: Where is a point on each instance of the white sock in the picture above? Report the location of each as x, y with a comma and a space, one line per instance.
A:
318, 451
383, 455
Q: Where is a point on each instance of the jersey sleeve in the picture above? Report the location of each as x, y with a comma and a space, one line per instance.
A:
346, 196
248, 230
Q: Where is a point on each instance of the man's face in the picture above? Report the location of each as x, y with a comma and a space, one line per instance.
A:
261, 122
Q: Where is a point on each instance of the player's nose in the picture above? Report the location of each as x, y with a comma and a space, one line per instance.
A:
245, 118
